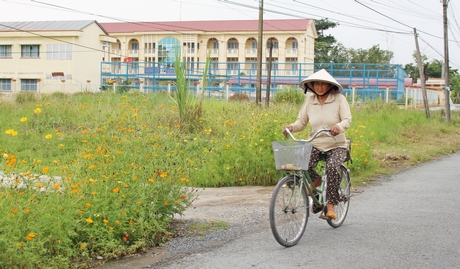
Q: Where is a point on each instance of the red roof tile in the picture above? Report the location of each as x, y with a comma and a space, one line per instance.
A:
206, 26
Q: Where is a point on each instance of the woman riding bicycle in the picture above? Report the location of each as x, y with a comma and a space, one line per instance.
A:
326, 108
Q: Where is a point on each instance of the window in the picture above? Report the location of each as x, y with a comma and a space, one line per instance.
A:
29, 85
59, 51
232, 45
134, 46
274, 43
30, 51
5, 84
167, 48
5, 51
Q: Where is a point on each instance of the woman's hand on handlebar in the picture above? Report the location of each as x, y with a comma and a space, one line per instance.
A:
335, 130
289, 127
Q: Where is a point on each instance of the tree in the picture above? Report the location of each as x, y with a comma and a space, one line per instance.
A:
374, 55
324, 43
339, 54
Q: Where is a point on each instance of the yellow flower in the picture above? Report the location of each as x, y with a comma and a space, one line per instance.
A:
30, 236
89, 220
105, 221
88, 204
56, 186
24, 119
46, 169
37, 110
48, 136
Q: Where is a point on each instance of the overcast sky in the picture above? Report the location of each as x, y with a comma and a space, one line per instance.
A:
363, 23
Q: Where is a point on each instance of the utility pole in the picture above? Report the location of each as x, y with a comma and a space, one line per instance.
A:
269, 74
259, 54
446, 62
421, 69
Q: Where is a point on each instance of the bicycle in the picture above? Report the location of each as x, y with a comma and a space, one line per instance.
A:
290, 204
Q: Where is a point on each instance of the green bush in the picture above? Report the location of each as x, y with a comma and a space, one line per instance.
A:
290, 95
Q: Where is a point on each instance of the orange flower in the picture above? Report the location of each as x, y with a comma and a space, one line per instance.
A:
46, 169
165, 202
30, 236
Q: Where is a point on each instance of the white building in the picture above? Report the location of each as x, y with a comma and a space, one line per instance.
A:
51, 56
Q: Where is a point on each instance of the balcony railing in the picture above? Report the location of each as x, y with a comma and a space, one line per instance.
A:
232, 52
251, 52
149, 51
291, 52
275, 52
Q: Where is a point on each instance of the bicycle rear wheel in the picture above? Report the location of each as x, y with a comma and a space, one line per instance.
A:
341, 209
289, 211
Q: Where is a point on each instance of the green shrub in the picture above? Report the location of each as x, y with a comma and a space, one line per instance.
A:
290, 95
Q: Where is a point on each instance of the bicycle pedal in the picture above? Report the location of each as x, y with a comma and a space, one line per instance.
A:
316, 209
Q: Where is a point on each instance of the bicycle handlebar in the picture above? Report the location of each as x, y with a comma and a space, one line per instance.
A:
328, 130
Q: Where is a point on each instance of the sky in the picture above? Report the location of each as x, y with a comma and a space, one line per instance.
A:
362, 23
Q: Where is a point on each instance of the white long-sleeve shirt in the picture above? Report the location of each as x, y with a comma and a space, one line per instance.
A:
334, 111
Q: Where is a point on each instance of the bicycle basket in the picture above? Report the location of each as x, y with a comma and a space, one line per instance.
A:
291, 155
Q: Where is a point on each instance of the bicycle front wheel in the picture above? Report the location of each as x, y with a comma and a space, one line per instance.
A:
289, 211
341, 209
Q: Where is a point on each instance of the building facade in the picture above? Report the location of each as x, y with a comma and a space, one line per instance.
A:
52, 56
151, 47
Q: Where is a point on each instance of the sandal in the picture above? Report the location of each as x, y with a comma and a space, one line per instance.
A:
331, 215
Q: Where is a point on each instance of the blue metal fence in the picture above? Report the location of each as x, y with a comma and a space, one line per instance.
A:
369, 80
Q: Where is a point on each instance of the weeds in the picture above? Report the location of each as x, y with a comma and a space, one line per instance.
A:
102, 174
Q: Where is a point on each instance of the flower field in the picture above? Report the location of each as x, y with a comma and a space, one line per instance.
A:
92, 177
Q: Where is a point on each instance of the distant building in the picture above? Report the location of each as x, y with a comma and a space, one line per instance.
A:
51, 56
147, 50
229, 42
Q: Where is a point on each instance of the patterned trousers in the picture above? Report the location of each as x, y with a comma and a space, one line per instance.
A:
334, 158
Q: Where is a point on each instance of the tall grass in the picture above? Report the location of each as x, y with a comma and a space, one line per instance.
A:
125, 166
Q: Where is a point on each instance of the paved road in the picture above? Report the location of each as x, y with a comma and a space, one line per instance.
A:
410, 220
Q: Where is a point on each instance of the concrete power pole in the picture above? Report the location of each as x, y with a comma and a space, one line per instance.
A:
259, 53
446, 62
421, 69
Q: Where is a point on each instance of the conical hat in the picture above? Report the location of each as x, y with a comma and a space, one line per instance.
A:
321, 75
